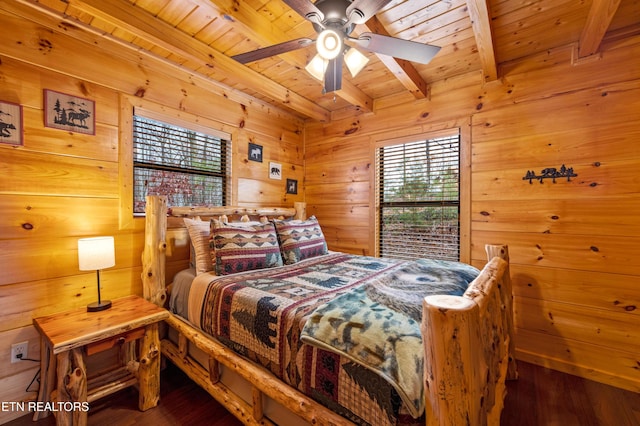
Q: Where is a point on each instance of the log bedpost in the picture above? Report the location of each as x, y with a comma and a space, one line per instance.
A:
450, 384
301, 210
502, 252
155, 245
468, 343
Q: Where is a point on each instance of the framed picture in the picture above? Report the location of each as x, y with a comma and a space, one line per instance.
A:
275, 171
66, 112
255, 152
292, 186
10, 123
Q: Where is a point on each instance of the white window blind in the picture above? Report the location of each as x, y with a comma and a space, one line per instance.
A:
419, 199
189, 167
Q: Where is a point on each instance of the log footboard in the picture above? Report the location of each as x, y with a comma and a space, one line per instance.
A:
469, 348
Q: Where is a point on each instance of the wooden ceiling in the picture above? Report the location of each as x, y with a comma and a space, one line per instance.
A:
476, 38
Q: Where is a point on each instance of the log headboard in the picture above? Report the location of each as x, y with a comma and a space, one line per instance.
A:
155, 246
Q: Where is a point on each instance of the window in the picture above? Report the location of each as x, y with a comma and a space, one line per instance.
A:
419, 199
189, 167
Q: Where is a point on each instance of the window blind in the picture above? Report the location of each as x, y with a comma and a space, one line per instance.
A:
419, 201
189, 167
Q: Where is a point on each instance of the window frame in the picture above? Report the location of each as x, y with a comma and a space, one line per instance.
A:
397, 168
444, 129
131, 105
143, 117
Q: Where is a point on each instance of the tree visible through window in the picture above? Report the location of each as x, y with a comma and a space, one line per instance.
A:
419, 199
189, 167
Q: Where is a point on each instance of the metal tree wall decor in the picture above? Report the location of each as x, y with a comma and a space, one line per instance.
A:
550, 173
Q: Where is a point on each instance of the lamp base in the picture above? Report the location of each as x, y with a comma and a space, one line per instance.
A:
98, 306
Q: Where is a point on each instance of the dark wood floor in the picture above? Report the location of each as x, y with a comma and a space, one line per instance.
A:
540, 397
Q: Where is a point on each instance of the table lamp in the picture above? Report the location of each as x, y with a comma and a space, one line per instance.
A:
95, 254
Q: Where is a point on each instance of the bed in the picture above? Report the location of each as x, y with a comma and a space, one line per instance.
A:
332, 338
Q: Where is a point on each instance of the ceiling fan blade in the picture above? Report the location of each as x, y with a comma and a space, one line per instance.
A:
360, 11
276, 49
333, 75
396, 47
307, 10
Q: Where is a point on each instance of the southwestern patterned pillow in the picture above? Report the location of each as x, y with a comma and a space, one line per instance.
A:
237, 248
300, 239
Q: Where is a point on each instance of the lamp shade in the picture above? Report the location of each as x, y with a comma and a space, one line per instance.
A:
355, 61
96, 253
317, 67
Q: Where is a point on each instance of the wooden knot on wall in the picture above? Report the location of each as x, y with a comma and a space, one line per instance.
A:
550, 173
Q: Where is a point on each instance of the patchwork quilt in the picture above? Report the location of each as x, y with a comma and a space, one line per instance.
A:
341, 328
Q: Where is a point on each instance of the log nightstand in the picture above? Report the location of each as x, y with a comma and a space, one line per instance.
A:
68, 336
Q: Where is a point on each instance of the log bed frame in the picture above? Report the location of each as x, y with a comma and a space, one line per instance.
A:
470, 355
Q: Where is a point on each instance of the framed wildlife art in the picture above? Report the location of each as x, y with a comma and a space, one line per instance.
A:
292, 186
255, 152
71, 113
10, 123
275, 171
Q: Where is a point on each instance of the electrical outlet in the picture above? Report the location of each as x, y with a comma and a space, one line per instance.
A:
19, 351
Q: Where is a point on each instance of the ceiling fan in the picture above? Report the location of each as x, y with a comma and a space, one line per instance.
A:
334, 20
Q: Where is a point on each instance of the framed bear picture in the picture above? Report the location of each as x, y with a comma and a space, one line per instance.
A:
11, 123
275, 171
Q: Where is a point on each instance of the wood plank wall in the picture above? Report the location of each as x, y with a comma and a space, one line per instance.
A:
575, 246
66, 185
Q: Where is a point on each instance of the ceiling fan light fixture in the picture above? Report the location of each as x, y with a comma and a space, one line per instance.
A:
329, 44
355, 61
317, 67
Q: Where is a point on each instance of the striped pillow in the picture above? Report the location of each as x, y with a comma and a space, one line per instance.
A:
237, 248
300, 239
199, 255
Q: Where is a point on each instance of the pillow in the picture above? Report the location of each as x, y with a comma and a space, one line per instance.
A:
300, 239
240, 247
199, 235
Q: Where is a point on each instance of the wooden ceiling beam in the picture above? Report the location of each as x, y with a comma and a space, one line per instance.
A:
142, 24
355, 96
263, 32
403, 70
481, 24
598, 21
245, 20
